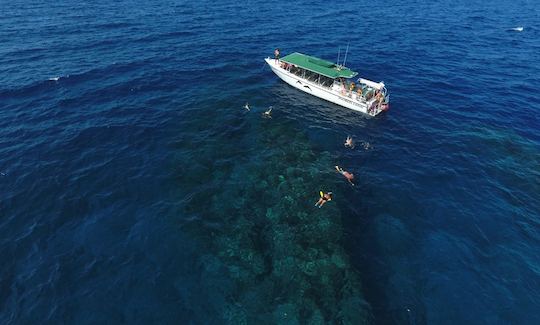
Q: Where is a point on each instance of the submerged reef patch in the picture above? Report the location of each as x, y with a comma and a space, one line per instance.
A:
282, 254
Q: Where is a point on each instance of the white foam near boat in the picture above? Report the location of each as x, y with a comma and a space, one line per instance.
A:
330, 81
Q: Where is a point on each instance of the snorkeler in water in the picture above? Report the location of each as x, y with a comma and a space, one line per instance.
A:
367, 146
325, 197
268, 113
349, 143
346, 174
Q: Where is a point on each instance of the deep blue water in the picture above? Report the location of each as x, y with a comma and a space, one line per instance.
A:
135, 188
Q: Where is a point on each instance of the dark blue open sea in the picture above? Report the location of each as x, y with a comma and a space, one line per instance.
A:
135, 189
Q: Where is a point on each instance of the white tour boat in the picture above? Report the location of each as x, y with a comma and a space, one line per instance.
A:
327, 80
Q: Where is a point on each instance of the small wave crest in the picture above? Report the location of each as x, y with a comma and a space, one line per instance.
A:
58, 78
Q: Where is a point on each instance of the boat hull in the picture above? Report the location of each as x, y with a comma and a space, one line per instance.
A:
312, 88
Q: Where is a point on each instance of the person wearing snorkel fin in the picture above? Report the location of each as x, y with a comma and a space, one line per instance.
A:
325, 197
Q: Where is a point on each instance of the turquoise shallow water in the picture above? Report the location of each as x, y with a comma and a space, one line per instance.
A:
136, 189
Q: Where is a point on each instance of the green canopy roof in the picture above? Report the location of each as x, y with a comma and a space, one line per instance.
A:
320, 66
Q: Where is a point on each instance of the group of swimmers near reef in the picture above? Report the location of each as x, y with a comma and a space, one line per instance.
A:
325, 197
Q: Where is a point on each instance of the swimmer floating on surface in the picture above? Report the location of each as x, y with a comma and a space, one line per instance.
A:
268, 113
349, 143
325, 197
346, 174
247, 106
366, 145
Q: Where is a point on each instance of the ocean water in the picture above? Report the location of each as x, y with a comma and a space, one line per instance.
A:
136, 189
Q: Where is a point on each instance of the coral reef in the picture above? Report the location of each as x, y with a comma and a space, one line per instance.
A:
283, 254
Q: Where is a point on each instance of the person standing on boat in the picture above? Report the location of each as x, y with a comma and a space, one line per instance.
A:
380, 97
276, 55
343, 86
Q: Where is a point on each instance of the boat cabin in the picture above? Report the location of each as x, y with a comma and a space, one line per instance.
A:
332, 76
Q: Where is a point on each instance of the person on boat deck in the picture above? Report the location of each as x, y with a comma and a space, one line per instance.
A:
276, 55
351, 88
325, 197
349, 142
360, 91
346, 174
380, 97
369, 94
